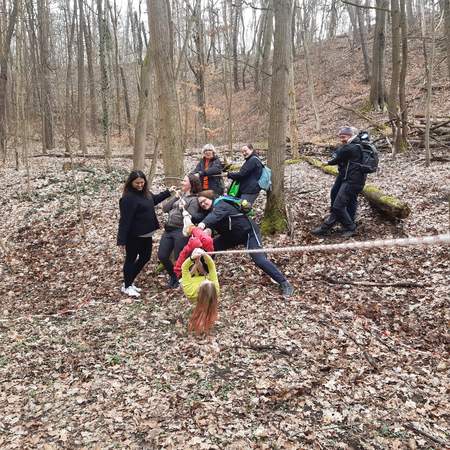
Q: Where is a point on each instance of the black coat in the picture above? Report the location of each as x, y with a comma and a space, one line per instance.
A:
137, 215
345, 158
229, 222
249, 175
213, 172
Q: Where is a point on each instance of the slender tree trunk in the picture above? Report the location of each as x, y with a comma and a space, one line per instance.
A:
47, 113
140, 130
81, 81
4, 55
333, 20
235, 36
403, 144
103, 45
275, 218
126, 102
363, 41
160, 42
92, 91
395, 78
447, 31
259, 51
377, 89
265, 66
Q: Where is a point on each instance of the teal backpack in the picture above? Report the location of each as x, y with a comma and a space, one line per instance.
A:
242, 205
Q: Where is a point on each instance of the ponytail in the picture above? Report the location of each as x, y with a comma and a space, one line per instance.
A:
205, 312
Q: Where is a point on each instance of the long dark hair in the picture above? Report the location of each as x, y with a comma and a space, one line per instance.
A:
129, 188
196, 185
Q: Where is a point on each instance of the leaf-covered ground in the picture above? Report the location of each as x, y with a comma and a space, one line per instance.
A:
356, 359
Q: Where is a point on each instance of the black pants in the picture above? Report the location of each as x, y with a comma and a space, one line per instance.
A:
171, 241
138, 252
344, 197
252, 240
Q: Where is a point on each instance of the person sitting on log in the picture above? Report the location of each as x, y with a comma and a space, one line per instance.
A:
201, 286
235, 228
209, 170
348, 184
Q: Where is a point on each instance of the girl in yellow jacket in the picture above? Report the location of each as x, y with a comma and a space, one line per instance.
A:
201, 286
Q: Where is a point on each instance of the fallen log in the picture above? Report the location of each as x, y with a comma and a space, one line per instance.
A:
386, 204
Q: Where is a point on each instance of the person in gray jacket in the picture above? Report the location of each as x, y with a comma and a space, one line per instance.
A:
173, 239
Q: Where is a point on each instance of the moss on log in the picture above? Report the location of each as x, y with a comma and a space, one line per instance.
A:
273, 223
387, 204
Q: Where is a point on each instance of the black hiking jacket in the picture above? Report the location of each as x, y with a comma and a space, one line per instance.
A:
248, 175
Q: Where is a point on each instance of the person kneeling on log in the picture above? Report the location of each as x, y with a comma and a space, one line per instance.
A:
349, 183
236, 228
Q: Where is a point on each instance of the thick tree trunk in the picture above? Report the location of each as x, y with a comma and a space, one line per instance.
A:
275, 219
170, 129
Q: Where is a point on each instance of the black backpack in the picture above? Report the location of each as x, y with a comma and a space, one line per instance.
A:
369, 154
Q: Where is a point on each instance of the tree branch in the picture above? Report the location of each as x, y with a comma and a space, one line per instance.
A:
365, 7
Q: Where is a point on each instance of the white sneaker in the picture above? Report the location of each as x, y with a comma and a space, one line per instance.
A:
130, 291
137, 289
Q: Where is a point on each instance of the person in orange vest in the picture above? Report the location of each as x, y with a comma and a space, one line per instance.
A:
209, 169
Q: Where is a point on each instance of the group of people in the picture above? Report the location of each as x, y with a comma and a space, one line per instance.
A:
198, 210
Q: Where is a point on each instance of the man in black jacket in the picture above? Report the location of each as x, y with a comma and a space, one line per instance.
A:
235, 228
249, 174
349, 183
209, 169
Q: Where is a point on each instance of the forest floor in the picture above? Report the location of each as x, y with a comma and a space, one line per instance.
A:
356, 359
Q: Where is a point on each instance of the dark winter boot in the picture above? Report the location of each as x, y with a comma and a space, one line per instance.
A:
173, 282
286, 289
321, 230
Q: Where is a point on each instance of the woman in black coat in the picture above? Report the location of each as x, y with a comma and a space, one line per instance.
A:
249, 174
137, 224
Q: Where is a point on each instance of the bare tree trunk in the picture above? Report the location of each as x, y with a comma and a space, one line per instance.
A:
395, 78
259, 51
447, 31
126, 102
4, 55
275, 218
265, 66
235, 35
47, 113
81, 81
140, 129
429, 62
160, 41
377, 89
363, 40
333, 20
402, 86
92, 90
103, 45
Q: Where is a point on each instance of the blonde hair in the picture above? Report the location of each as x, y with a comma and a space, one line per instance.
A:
205, 312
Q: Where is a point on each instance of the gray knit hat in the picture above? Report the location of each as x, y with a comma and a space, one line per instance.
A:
207, 147
348, 131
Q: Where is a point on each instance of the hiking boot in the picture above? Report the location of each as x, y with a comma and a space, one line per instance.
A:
286, 289
173, 282
321, 230
348, 233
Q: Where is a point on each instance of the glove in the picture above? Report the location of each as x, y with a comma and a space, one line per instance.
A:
201, 225
185, 213
197, 253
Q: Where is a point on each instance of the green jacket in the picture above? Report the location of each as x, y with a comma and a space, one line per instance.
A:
191, 283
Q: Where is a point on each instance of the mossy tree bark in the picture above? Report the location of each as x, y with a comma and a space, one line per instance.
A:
275, 219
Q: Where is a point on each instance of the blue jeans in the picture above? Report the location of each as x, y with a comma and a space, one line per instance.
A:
252, 240
344, 203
